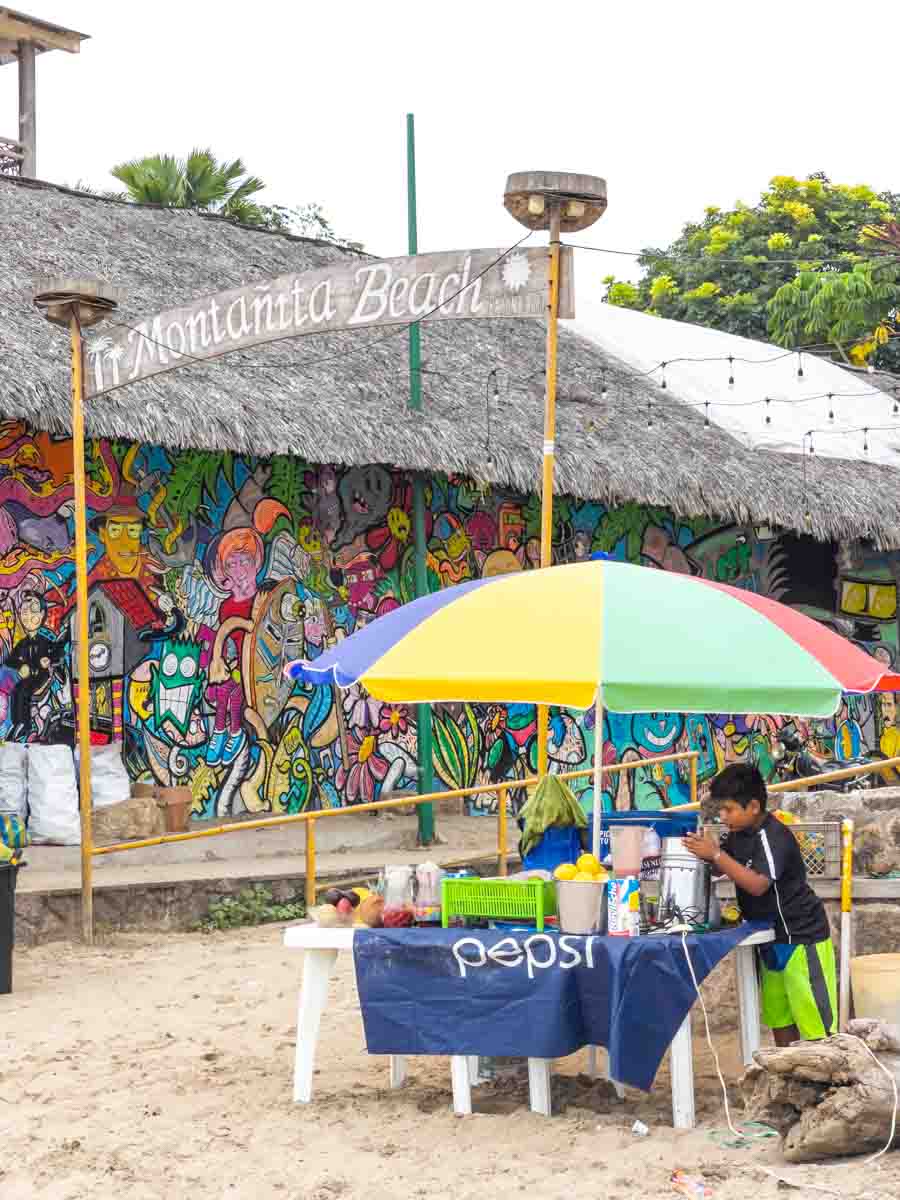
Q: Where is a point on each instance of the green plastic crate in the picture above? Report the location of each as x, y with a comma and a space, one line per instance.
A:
518, 900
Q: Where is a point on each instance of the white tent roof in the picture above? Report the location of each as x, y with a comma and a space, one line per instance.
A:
761, 371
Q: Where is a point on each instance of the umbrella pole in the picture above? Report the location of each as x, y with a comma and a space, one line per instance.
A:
598, 773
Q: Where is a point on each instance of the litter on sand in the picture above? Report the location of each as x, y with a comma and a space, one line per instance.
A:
691, 1185
748, 1133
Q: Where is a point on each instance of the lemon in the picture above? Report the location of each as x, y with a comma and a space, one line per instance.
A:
566, 871
589, 864
362, 892
585, 877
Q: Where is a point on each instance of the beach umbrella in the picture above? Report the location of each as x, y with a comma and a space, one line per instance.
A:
604, 633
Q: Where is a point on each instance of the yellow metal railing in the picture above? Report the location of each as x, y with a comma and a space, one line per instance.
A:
309, 819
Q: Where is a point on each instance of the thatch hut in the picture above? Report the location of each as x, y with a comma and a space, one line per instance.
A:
289, 468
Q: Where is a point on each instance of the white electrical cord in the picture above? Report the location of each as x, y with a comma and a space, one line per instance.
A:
715, 1055
709, 1040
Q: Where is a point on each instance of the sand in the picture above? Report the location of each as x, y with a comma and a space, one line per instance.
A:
156, 1066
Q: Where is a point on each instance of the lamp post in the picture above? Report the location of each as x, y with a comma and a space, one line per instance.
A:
76, 304
567, 203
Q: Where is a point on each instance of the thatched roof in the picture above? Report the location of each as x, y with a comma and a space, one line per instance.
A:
352, 407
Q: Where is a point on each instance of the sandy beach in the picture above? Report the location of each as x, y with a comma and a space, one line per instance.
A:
160, 1066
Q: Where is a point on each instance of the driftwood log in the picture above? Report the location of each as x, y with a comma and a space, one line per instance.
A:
828, 1099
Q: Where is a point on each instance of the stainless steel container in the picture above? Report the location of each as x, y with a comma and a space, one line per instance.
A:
684, 884
582, 906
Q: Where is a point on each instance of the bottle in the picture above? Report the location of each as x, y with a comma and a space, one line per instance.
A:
634, 913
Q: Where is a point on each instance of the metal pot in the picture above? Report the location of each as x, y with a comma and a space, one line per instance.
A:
684, 884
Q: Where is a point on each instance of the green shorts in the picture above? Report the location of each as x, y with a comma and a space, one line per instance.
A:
803, 993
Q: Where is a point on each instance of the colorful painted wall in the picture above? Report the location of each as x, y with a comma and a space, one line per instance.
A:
209, 572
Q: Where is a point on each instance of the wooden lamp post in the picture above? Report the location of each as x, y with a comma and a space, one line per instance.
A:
567, 203
77, 304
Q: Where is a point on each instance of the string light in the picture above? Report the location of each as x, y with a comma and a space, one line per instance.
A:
706, 417
896, 401
799, 365
831, 406
663, 384
768, 411
603, 387
865, 441
812, 448
731, 370
649, 414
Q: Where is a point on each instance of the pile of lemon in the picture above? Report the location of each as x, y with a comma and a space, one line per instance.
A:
588, 869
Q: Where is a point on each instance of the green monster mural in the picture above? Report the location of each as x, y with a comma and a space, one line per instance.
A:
176, 685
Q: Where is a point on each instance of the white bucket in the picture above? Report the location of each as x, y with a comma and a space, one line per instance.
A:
581, 906
876, 986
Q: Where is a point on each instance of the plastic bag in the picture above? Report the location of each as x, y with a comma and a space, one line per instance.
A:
53, 796
13, 779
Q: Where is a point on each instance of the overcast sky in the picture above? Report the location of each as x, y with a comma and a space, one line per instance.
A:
677, 105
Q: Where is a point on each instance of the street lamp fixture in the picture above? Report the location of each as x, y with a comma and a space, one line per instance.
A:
77, 304
558, 201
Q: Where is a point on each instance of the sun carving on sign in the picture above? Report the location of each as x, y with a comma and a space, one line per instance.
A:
516, 271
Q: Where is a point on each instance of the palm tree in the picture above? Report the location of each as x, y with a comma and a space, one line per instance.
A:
198, 181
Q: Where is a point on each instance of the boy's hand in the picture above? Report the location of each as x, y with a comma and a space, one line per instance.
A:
702, 847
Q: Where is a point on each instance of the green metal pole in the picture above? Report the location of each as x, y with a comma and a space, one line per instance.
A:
423, 716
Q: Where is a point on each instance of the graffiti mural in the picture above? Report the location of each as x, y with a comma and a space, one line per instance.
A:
208, 572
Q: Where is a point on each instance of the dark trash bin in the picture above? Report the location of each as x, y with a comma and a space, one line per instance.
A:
8, 874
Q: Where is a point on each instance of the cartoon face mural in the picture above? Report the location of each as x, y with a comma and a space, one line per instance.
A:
656, 733
365, 495
208, 572
176, 683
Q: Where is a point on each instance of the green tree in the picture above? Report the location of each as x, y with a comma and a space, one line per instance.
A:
724, 270
199, 181
204, 182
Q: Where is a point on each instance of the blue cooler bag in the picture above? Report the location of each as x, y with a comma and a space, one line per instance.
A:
558, 845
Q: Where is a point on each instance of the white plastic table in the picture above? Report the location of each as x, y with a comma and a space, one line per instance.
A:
323, 945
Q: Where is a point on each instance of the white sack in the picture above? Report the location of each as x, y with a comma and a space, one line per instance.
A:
53, 796
109, 779
13, 779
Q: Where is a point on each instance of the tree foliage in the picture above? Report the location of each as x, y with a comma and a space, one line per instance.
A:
209, 184
199, 181
811, 263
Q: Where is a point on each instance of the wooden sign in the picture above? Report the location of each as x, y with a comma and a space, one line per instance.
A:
455, 285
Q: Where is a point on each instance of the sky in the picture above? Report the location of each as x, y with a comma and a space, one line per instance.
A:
677, 106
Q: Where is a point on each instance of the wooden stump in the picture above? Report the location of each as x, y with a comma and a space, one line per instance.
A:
829, 1098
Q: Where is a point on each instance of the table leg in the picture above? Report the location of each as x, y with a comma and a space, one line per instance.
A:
462, 1090
398, 1070
748, 1001
317, 968
539, 1072
592, 1062
474, 1069
682, 1069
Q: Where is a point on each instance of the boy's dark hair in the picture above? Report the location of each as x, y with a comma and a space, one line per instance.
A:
740, 782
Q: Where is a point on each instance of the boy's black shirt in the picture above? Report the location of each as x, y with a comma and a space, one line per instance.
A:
790, 903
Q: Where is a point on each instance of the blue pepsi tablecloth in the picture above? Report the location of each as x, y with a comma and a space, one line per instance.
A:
531, 995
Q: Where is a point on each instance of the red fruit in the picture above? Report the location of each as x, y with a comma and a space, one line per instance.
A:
344, 906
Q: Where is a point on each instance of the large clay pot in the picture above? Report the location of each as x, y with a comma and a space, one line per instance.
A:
176, 804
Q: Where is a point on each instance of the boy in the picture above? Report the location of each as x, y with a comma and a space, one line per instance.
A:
762, 858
